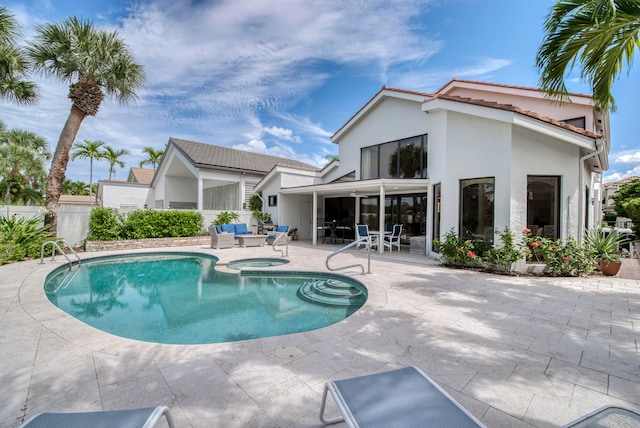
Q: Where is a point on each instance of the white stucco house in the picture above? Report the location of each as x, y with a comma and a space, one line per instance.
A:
473, 157
195, 176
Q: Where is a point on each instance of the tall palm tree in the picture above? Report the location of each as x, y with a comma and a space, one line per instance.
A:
95, 63
602, 35
154, 157
14, 65
88, 150
75, 188
113, 157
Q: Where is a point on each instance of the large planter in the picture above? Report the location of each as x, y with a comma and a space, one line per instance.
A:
609, 268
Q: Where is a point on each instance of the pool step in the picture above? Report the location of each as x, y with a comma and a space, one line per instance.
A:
330, 292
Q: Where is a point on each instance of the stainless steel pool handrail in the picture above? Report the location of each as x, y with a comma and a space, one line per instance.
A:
279, 236
54, 246
354, 243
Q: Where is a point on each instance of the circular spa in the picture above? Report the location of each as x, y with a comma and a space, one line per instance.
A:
181, 298
256, 263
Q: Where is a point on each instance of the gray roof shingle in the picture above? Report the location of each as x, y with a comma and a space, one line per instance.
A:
210, 156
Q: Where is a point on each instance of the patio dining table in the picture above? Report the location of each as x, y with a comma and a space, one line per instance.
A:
377, 238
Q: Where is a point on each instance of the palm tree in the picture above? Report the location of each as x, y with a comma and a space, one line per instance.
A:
90, 150
96, 64
602, 35
22, 160
153, 158
75, 188
13, 63
113, 157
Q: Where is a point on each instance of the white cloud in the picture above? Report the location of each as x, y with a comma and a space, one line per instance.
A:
283, 134
626, 158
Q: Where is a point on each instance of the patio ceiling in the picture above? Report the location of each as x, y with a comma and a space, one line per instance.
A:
362, 188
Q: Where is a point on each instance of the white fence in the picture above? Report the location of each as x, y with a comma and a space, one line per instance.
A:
73, 221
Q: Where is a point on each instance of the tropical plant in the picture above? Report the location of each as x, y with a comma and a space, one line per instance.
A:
91, 150
226, 217
14, 65
95, 63
105, 224
21, 237
456, 250
113, 157
605, 244
601, 35
75, 188
22, 162
506, 254
154, 157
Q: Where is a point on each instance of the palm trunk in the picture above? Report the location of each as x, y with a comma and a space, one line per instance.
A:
59, 167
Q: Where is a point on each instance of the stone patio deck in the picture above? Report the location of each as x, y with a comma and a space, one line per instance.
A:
514, 351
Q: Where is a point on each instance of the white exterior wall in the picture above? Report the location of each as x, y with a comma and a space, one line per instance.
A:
179, 189
124, 195
552, 158
461, 147
392, 119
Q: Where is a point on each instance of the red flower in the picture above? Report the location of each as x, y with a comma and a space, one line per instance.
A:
534, 244
471, 255
527, 230
565, 258
554, 247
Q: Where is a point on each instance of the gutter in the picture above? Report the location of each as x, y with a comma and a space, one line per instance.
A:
581, 204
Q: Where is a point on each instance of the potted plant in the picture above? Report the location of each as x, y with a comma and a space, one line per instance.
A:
605, 245
293, 233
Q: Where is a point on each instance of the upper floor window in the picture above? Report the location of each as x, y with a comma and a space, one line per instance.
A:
578, 122
397, 159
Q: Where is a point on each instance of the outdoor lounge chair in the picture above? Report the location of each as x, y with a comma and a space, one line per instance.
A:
130, 418
399, 398
220, 239
271, 237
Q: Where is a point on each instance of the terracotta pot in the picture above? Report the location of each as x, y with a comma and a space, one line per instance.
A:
610, 268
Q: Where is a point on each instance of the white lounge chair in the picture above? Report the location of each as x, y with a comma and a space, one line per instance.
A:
130, 418
607, 416
400, 398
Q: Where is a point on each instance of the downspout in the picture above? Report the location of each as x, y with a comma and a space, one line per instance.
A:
581, 207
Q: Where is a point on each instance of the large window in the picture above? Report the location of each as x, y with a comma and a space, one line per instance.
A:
477, 208
543, 206
397, 159
410, 210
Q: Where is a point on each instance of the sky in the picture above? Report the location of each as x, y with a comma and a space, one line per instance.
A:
279, 77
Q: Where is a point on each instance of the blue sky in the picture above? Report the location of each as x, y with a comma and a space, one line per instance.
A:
281, 76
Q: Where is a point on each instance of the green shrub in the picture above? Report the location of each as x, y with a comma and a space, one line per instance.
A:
455, 250
22, 237
105, 224
504, 255
162, 224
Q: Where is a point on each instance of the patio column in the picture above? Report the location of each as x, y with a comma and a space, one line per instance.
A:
314, 221
200, 191
381, 223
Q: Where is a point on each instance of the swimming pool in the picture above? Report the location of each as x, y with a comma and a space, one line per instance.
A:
181, 298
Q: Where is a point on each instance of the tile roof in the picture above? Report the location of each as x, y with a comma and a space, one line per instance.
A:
516, 109
504, 85
210, 156
623, 181
141, 175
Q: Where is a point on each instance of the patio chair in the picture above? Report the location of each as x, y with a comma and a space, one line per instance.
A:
362, 231
394, 238
220, 239
271, 237
130, 418
400, 398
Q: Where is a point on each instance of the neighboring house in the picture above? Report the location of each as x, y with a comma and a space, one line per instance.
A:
206, 177
127, 195
473, 157
609, 189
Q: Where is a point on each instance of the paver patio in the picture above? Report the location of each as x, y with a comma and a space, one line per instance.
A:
514, 351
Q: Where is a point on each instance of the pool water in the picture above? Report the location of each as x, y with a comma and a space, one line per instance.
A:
181, 298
